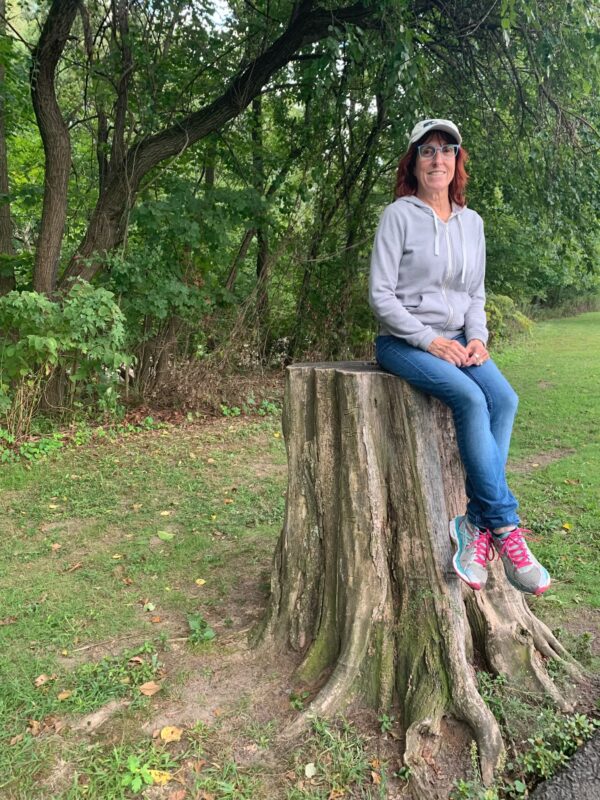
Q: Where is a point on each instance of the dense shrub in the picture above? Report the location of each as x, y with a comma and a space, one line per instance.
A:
60, 353
505, 322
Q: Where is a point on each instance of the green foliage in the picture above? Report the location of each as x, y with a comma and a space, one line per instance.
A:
298, 699
554, 741
505, 322
386, 723
200, 630
137, 775
76, 342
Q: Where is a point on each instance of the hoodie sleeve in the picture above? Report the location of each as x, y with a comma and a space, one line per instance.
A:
475, 319
383, 279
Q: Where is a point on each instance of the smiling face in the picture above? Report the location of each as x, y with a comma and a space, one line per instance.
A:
435, 175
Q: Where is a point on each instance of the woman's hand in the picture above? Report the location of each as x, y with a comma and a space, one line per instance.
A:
477, 352
450, 350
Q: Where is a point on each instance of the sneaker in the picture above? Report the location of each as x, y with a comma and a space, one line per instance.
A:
473, 551
522, 568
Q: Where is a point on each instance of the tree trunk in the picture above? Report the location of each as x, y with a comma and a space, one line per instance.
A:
7, 276
55, 138
363, 584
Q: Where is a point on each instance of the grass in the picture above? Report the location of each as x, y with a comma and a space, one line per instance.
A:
86, 560
122, 558
555, 457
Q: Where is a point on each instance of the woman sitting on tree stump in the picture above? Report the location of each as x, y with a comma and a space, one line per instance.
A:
426, 289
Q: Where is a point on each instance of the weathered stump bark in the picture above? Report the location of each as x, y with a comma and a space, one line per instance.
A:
362, 582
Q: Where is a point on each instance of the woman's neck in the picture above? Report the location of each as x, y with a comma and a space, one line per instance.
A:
440, 202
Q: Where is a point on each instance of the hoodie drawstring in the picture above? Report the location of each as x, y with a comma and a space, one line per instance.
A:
436, 241
463, 246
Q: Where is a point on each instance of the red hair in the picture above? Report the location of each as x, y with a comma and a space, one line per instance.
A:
406, 183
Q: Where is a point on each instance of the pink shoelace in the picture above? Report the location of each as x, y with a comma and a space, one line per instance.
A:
515, 547
484, 549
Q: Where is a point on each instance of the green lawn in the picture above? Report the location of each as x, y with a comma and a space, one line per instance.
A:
554, 467
112, 549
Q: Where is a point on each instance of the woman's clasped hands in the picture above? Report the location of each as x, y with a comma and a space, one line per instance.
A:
473, 355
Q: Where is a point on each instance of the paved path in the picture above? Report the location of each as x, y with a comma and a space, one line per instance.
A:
579, 780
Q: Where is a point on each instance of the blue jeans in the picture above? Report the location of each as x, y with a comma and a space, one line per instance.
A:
483, 405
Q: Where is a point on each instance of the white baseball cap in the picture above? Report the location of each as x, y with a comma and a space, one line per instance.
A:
428, 125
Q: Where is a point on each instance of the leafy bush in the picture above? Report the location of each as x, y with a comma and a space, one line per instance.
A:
505, 321
61, 352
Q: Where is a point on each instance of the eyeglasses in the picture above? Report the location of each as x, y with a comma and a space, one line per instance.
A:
428, 151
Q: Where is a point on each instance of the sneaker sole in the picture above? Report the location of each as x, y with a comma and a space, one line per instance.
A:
456, 564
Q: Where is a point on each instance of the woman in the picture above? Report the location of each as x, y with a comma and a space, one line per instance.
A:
426, 289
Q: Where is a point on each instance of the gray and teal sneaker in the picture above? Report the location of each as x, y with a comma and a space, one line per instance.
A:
522, 568
473, 551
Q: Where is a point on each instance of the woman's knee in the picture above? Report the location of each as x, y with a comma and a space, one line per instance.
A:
470, 401
505, 401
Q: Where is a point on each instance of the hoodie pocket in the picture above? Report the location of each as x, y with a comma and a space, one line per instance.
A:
431, 309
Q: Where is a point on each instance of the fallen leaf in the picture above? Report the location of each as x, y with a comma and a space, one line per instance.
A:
127, 581
42, 679
165, 536
376, 763
64, 653
199, 581
117, 556
535, 465
170, 733
217, 712
334, 794
16, 739
64, 695
155, 620
572, 481
159, 777
53, 505
136, 506
310, 770
149, 607
210, 461
55, 546
566, 526
228, 501
34, 727
375, 777
213, 516
178, 794
276, 435
165, 513
150, 688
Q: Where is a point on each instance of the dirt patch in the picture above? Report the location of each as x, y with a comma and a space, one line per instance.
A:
539, 460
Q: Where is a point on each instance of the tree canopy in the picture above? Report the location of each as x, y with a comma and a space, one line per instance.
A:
209, 160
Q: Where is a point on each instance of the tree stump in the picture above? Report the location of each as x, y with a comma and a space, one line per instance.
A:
363, 584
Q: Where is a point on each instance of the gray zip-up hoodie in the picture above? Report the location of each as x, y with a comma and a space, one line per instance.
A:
427, 275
